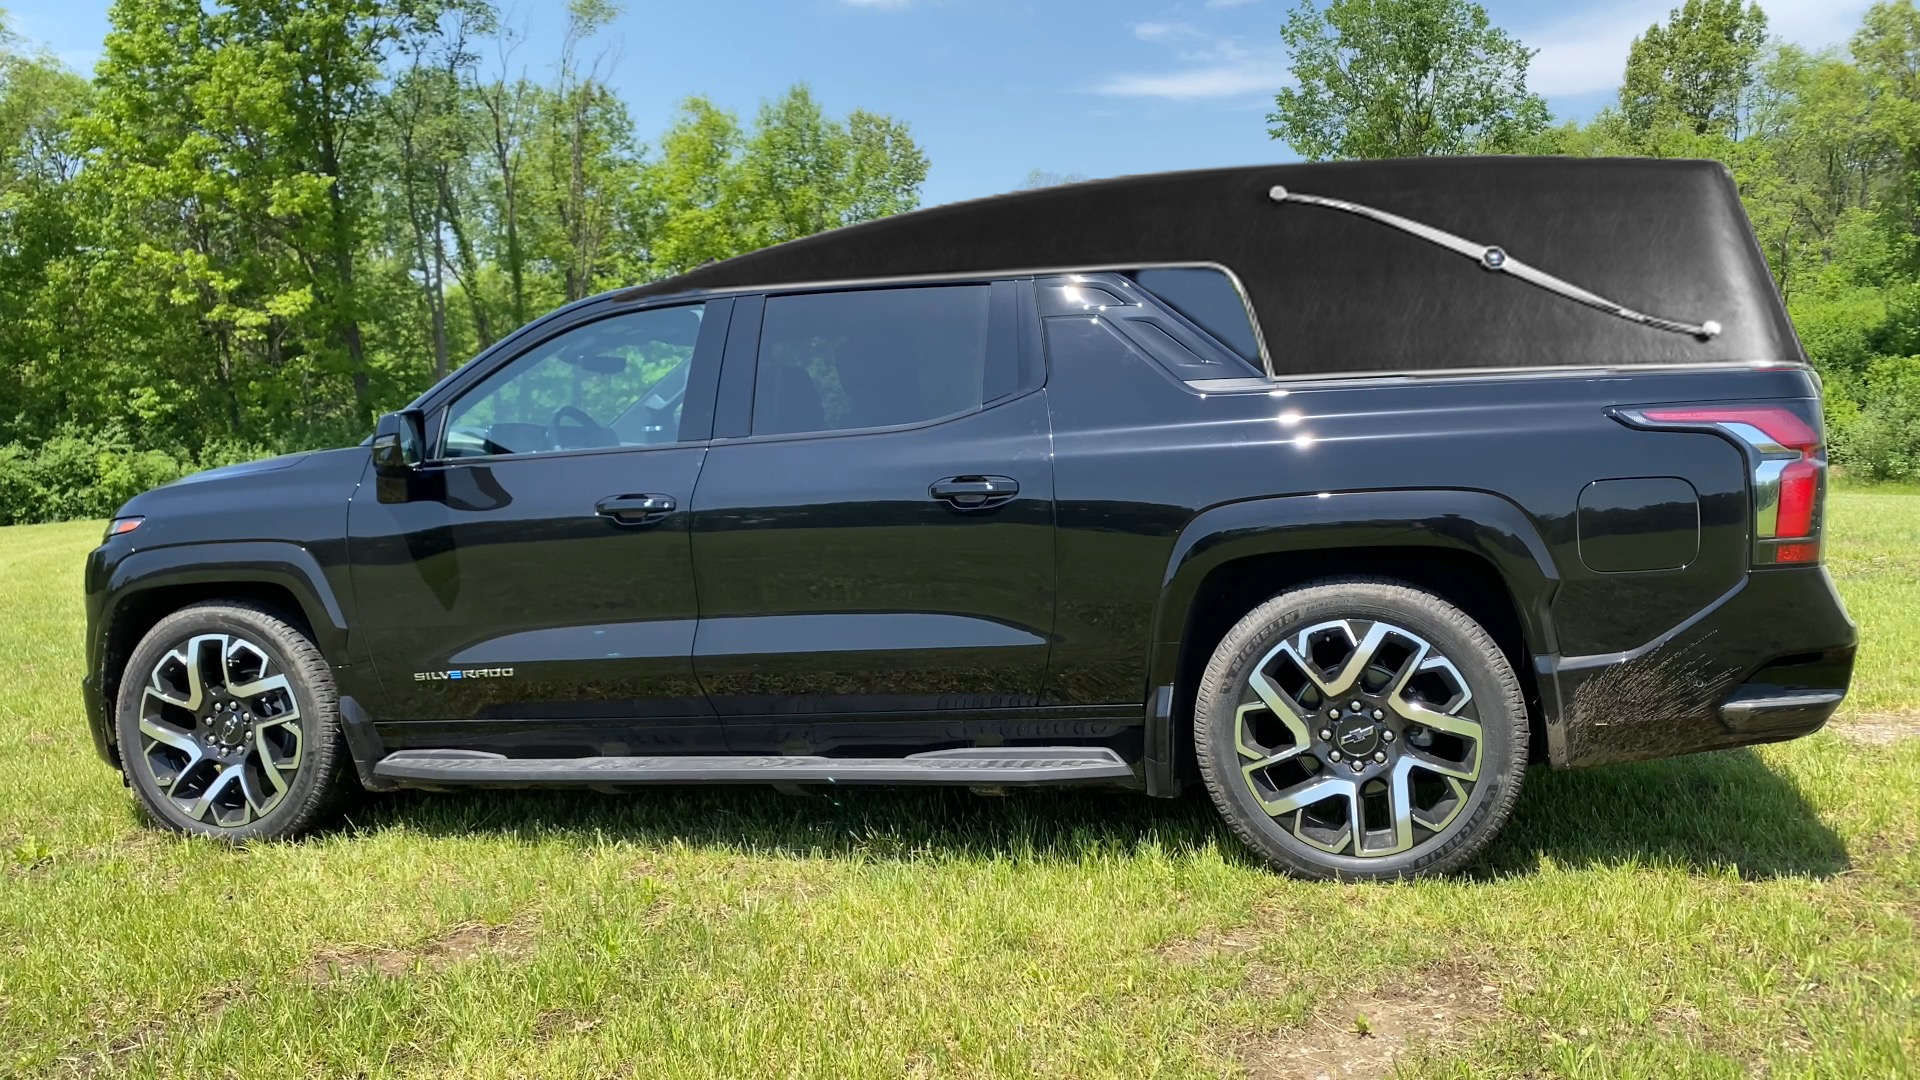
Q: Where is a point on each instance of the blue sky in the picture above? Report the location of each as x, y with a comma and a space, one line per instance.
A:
994, 88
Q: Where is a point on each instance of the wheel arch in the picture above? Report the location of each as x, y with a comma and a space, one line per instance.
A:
1478, 551
147, 586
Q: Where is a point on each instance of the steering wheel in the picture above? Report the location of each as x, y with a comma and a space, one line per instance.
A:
585, 425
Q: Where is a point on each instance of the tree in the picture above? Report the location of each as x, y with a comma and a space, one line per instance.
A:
1404, 78
802, 172
1694, 72
1041, 178
41, 225
718, 191
1887, 50
261, 221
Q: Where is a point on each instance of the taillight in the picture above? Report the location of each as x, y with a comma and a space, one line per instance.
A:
1789, 470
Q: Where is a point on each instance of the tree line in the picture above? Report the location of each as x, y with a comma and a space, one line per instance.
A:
261, 222
1824, 145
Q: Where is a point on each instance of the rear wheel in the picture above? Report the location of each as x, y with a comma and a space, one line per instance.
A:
228, 724
1361, 729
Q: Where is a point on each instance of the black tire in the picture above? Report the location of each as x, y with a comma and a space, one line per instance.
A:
283, 743
1236, 729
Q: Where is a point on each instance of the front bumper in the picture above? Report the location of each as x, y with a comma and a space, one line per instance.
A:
98, 724
1767, 661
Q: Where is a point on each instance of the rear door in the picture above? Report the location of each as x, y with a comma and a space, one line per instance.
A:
873, 528
534, 579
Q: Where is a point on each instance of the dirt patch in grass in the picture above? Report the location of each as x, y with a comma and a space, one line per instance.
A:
556, 1023
1364, 1036
1206, 945
467, 941
1877, 729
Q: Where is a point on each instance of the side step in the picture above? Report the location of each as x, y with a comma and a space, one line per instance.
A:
979, 766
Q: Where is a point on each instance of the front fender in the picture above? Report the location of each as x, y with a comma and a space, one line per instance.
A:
116, 586
1474, 522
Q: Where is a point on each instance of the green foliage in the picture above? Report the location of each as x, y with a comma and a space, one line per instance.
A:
1404, 78
719, 190
87, 474
1693, 72
1882, 442
263, 221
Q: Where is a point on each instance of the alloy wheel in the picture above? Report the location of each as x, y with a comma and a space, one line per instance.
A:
220, 730
1359, 738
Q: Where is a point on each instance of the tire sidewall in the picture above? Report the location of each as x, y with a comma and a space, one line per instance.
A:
1499, 707
272, 635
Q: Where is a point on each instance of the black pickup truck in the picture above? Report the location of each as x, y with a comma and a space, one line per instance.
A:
1268, 479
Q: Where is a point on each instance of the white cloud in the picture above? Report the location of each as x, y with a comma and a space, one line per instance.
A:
1218, 66
1159, 31
1212, 82
880, 5
1587, 53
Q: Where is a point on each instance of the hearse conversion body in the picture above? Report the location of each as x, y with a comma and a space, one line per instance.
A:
1345, 490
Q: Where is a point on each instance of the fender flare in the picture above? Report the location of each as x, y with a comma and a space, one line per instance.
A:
251, 562
1456, 519
269, 562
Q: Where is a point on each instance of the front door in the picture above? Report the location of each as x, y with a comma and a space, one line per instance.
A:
534, 581
873, 535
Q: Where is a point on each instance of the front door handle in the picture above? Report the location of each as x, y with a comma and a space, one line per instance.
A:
635, 509
974, 492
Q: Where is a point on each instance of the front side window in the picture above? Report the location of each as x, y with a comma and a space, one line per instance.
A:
619, 381
870, 358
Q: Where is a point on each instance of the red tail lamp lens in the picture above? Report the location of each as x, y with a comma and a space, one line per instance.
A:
1799, 488
1773, 421
1787, 465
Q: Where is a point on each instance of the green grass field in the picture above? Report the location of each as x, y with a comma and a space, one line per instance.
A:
1720, 915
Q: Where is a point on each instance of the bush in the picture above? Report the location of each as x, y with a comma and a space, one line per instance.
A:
1882, 440
81, 474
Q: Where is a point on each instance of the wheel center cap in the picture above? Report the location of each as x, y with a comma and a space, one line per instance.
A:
1356, 735
231, 728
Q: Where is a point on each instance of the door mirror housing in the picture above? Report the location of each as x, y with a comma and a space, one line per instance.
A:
398, 439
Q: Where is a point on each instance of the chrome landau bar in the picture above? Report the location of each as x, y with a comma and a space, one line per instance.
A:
1497, 260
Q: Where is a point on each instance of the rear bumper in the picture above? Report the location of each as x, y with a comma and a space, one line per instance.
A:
1769, 660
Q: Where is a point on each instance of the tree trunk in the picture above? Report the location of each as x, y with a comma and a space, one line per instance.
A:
468, 272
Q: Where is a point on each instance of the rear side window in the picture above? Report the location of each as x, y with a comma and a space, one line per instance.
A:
1209, 299
870, 358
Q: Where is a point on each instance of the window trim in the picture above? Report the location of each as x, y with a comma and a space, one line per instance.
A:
1006, 313
1141, 306
699, 379
963, 276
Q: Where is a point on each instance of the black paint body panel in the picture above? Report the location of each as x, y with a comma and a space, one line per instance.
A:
810, 594
1335, 293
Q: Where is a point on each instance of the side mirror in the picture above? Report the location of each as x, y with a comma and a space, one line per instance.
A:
397, 442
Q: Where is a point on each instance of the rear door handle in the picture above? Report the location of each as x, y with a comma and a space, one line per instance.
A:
635, 509
974, 492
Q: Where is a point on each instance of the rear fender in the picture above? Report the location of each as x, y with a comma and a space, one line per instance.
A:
1473, 522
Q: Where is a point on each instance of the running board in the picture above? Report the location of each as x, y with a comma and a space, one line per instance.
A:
979, 766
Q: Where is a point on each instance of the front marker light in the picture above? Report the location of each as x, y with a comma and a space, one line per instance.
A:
122, 526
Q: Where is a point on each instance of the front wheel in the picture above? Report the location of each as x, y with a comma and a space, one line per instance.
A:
1361, 729
227, 722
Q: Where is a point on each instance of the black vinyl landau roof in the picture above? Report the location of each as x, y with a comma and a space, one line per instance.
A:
1340, 293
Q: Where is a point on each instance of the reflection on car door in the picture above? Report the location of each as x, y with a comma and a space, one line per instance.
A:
535, 580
